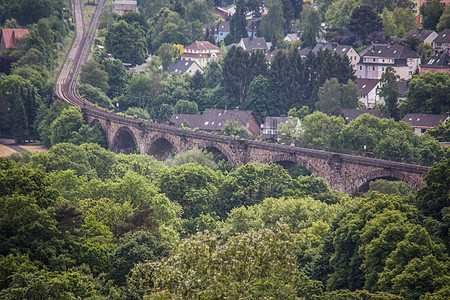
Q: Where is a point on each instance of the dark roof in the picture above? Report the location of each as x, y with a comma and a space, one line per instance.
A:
352, 114
223, 26
180, 66
304, 51
424, 120
443, 37
209, 26
252, 44
422, 34
366, 85
270, 56
213, 119
439, 61
388, 51
334, 47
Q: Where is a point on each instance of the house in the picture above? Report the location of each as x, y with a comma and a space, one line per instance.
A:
9, 37
402, 89
442, 41
253, 44
342, 50
422, 122
214, 119
440, 62
201, 52
369, 91
377, 57
426, 36
221, 12
290, 37
221, 30
269, 130
351, 114
123, 6
270, 56
184, 67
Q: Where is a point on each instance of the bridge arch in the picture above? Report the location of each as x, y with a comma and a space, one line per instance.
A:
362, 182
288, 160
161, 148
217, 153
124, 141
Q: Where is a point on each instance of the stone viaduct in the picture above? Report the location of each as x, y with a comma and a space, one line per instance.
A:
345, 173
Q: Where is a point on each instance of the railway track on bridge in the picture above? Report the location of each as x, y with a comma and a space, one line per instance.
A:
66, 89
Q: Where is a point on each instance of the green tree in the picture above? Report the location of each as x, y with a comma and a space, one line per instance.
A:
429, 92
231, 128
118, 77
259, 97
199, 190
310, 26
431, 12
200, 157
186, 107
338, 14
271, 26
363, 21
334, 96
134, 248
290, 132
95, 95
70, 120
198, 10
441, 132
321, 130
127, 42
238, 24
389, 92
236, 72
444, 21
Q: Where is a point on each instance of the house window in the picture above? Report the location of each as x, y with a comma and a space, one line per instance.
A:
410, 73
247, 124
382, 69
373, 68
360, 68
221, 34
374, 59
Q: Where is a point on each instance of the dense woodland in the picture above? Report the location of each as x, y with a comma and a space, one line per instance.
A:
82, 222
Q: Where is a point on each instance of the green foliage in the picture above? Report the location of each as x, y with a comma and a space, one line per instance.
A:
431, 12
272, 23
127, 42
363, 21
444, 21
95, 95
231, 128
389, 91
194, 156
334, 96
441, 132
92, 74
254, 265
399, 188
321, 130
290, 132
429, 92
193, 186
134, 248
186, 107
338, 14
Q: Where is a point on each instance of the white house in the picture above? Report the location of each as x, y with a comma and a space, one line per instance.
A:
377, 57
369, 89
184, 67
201, 52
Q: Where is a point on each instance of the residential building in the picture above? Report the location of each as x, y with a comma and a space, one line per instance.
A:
270, 56
221, 30
442, 41
369, 91
269, 130
377, 57
422, 122
253, 44
184, 67
214, 119
440, 62
290, 37
201, 52
9, 37
416, 4
426, 36
351, 114
123, 6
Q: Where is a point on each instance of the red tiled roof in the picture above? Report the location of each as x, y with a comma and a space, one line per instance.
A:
10, 35
201, 45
